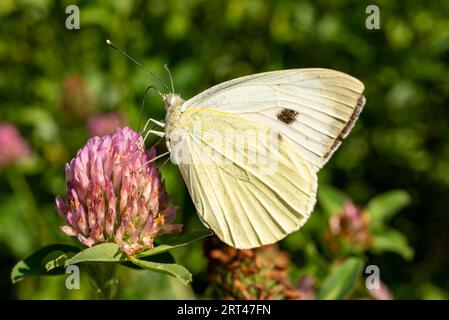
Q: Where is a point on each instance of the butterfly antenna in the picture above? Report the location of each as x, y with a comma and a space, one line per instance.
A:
171, 79
113, 46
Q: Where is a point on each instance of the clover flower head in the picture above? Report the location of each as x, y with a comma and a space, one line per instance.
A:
351, 225
115, 195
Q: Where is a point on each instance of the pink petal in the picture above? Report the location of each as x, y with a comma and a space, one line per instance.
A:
86, 241
68, 231
61, 207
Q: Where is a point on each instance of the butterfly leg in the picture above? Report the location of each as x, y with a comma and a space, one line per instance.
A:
159, 123
168, 146
157, 157
153, 159
157, 133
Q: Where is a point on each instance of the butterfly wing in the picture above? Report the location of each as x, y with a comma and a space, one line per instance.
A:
315, 108
253, 195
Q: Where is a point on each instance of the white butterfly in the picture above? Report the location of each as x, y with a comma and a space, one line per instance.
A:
310, 111
245, 202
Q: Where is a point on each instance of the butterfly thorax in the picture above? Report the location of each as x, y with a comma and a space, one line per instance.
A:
173, 103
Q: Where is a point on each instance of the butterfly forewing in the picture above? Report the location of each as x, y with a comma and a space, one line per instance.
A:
315, 108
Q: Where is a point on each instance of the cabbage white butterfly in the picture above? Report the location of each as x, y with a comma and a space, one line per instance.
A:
308, 111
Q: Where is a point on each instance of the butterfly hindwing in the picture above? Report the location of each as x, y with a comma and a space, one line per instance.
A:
247, 200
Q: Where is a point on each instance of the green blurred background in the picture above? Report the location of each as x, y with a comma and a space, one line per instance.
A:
53, 80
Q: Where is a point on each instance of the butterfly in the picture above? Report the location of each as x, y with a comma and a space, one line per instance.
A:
255, 191
307, 111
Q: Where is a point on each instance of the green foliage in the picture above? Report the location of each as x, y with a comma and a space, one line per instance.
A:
399, 142
330, 199
48, 260
173, 241
172, 269
342, 280
384, 206
389, 240
381, 209
52, 260
105, 252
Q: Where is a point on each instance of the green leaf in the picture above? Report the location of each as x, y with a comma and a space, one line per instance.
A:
341, 281
330, 199
172, 269
171, 241
392, 241
386, 205
164, 257
46, 261
105, 252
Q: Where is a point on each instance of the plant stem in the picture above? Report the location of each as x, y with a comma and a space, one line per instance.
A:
103, 277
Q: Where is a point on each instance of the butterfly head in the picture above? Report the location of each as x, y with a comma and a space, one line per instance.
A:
172, 100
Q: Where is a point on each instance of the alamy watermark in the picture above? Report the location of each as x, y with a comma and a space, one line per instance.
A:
73, 19
72, 282
372, 22
372, 281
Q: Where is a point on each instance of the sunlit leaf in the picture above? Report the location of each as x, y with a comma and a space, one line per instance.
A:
105, 252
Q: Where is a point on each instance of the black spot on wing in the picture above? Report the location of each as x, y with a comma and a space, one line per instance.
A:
287, 116
279, 136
